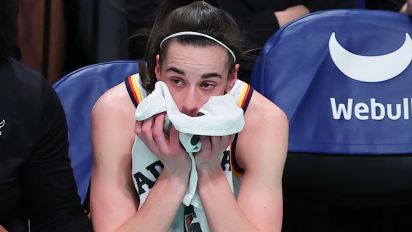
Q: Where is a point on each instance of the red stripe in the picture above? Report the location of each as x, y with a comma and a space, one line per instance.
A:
245, 96
132, 87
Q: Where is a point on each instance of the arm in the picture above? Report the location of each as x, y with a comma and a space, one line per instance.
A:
261, 151
48, 185
291, 13
113, 198
407, 8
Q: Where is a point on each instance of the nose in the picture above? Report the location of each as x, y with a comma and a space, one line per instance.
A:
190, 107
191, 103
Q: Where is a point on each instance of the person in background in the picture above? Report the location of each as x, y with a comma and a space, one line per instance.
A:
42, 36
407, 7
37, 187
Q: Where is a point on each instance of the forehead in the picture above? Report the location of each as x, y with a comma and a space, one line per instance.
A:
212, 57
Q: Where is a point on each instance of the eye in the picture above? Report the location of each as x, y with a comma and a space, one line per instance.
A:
177, 81
207, 85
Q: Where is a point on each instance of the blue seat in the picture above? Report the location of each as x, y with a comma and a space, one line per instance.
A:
344, 79
78, 92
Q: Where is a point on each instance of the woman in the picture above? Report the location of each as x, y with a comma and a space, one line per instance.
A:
193, 50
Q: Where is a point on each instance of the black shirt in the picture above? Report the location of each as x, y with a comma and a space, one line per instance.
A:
36, 179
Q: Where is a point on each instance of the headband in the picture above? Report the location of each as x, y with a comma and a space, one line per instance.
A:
202, 35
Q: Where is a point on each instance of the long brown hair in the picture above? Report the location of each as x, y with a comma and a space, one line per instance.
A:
198, 16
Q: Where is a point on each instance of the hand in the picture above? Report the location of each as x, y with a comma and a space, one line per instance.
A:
208, 158
165, 147
290, 14
407, 8
2, 229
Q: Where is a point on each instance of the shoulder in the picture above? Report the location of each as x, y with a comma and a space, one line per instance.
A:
262, 111
24, 90
265, 134
124, 96
112, 127
115, 101
18, 78
113, 116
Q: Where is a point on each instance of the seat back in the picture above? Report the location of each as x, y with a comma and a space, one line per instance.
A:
344, 79
78, 92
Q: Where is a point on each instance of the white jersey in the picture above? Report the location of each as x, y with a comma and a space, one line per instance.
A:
146, 167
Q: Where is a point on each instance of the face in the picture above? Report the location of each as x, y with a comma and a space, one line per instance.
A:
193, 74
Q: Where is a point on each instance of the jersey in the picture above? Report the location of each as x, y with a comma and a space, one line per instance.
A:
144, 181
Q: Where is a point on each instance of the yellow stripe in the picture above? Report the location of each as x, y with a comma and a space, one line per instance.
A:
242, 95
136, 89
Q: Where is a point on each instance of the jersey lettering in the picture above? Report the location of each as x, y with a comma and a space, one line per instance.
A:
225, 163
191, 221
142, 180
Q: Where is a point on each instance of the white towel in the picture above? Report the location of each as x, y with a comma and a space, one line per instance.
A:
220, 116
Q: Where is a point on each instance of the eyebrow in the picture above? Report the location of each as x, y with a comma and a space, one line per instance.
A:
204, 76
176, 70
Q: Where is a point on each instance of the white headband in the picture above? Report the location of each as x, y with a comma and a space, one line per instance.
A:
199, 34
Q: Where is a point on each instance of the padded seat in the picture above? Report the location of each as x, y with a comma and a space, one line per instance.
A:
78, 92
344, 79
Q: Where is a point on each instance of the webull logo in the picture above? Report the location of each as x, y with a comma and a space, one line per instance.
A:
371, 69
372, 110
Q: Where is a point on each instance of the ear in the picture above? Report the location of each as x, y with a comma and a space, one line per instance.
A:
157, 68
232, 78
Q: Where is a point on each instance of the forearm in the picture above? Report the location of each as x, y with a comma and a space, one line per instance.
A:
162, 203
291, 13
407, 8
222, 211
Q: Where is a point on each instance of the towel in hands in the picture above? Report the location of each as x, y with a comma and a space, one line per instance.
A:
219, 116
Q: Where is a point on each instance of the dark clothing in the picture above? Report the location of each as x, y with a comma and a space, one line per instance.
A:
392, 5
36, 179
319, 5
258, 23
139, 15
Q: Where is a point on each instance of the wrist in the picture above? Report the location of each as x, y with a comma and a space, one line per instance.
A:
210, 173
176, 176
208, 165
178, 166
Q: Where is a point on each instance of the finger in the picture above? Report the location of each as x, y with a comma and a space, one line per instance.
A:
227, 140
220, 143
206, 143
174, 141
138, 127
147, 134
147, 127
158, 133
231, 138
216, 143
